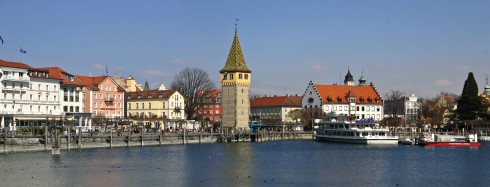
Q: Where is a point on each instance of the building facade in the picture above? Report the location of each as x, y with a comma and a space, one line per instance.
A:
407, 107
30, 96
156, 108
104, 98
359, 102
275, 110
235, 80
210, 109
71, 97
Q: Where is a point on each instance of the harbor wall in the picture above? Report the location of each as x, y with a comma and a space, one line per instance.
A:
28, 143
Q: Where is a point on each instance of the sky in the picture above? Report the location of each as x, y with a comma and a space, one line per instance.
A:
419, 47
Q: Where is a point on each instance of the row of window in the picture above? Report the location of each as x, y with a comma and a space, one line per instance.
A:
108, 114
210, 111
22, 97
31, 108
108, 96
240, 76
358, 108
21, 85
101, 105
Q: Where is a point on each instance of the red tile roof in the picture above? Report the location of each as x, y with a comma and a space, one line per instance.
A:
14, 64
277, 101
58, 73
339, 93
92, 82
153, 93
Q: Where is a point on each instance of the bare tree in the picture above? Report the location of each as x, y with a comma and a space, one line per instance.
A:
189, 82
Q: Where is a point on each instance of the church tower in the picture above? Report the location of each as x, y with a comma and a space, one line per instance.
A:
349, 79
235, 84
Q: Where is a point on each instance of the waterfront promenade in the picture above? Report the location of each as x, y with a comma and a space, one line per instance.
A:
27, 143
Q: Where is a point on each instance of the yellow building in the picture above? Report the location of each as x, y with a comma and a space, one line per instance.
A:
156, 108
235, 80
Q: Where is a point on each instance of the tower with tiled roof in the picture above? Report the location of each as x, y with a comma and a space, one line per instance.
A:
349, 79
235, 83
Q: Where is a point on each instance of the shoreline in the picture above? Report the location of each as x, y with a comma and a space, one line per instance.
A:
25, 144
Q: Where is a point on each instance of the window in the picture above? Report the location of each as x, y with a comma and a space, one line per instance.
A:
240, 76
95, 96
47, 87
137, 105
142, 105
149, 105
224, 76
231, 76
217, 111
246, 76
129, 105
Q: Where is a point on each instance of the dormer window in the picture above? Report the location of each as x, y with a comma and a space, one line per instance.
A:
339, 99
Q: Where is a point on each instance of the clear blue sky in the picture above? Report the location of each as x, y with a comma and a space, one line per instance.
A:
415, 46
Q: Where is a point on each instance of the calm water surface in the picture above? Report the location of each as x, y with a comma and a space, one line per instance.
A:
276, 163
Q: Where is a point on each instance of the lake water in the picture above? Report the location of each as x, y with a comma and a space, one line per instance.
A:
274, 163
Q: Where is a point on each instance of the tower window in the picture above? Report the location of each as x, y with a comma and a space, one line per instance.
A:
224, 76
231, 76
240, 76
246, 76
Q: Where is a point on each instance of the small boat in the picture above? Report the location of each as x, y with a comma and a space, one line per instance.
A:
468, 140
353, 131
406, 142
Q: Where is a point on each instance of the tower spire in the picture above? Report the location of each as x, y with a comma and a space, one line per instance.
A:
236, 25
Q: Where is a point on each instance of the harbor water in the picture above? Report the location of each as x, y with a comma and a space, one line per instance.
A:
272, 163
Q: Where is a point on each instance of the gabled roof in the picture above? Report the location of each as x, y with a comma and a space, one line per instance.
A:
92, 82
235, 61
276, 101
58, 73
14, 64
337, 94
149, 94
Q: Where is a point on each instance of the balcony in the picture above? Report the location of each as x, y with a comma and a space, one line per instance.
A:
15, 78
109, 99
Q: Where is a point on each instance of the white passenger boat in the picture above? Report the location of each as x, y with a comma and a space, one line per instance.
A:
349, 131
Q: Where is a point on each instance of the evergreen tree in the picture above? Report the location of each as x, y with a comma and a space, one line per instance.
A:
470, 106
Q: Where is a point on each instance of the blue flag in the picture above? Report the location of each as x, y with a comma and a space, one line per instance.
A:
1, 39
23, 51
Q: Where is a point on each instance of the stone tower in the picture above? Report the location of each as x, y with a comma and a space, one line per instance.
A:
235, 84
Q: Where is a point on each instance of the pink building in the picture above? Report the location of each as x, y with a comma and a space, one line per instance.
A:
103, 97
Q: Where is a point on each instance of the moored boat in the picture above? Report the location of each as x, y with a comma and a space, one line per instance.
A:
357, 132
468, 140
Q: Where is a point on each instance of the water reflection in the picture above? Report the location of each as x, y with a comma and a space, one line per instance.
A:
279, 163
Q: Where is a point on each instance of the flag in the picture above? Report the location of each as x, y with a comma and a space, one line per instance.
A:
1, 39
23, 51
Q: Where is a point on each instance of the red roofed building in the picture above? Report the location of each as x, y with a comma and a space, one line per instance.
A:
104, 98
71, 96
29, 96
210, 109
361, 101
275, 110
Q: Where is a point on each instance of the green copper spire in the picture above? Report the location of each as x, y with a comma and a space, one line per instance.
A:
235, 61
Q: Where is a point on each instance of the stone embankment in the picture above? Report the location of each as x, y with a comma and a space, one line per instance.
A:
27, 143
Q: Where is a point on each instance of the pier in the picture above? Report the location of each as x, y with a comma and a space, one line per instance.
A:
26, 143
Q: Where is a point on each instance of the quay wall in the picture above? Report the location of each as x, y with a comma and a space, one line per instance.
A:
28, 143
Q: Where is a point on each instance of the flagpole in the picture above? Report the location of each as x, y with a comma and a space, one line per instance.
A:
20, 54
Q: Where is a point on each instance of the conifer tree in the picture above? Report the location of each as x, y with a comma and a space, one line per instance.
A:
470, 106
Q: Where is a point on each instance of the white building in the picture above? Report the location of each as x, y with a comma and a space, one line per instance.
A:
359, 102
29, 95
